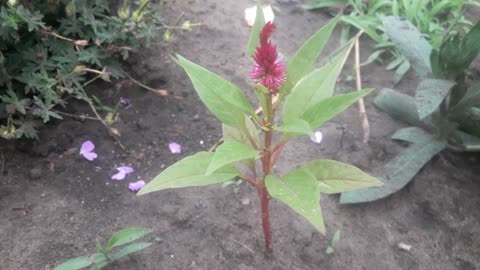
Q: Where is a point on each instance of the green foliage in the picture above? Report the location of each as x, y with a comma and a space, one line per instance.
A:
309, 103
103, 257
431, 18
49, 51
442, 113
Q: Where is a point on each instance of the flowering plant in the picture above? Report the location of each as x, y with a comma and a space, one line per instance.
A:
308, 103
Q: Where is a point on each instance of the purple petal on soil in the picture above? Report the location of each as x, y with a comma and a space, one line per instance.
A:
317, 137
124, 101
175, 148
135, 186
122, 172
86, 150
126, 169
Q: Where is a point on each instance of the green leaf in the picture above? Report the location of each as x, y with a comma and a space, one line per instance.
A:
398, 172
315, 87
240, 135
254, 39
295, 127
229, 152
74, 264
126, 236
100, 261
335, 177
429, 95
328, 108
329, 250
410, 42
189, 172
471, 98
412, 135
401, 71
366, 24
336, 238
221, 97
315, 4
302, 61
130, 249
399, 106
299, 190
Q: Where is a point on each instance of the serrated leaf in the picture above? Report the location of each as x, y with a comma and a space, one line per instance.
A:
299, 190
74, 264
315, 87
222, 98
189, 172
239, 135
302, 61
335, 177
326, 109
130, 249
429, 95
229, 152
410, 42
126, 236
398, 172
254, 39
295, 127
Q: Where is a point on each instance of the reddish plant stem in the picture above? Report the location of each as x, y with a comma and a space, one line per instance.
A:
264, 201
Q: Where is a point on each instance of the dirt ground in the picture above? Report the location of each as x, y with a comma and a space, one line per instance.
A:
72, 201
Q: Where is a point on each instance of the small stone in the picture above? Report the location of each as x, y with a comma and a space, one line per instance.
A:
245, 201
201, 204
36, 173
404, 246
196, 117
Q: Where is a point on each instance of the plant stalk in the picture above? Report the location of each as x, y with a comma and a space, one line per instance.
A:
264, 201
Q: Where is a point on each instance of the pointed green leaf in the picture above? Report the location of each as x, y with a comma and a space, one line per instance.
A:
315, 87
229, 152
295, 127
130, 249
126, 236
299, 190
74, 264
471, 98
302, 62
335, 177
410, 42
326, 109
239, 135
314, 4
430, 94
412, 135
398, 172
222, 98
254, 40
189, 172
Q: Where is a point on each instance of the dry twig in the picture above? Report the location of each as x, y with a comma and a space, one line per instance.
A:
361, 103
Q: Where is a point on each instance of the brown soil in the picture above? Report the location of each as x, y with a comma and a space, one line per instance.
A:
72, 202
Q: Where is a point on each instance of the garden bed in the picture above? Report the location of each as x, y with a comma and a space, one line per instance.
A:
54, 203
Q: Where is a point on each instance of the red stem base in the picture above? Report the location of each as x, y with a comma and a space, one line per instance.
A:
264, 200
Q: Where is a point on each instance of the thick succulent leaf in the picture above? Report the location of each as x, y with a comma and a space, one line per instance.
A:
429, 95
222, 98
302, 61
398, 172
399, 106
326, 109
335, 177
299, 190
295, 127
254, 39
230, 152
126, 236
74, 264
239, 135
315, 87
410, 42
189, 172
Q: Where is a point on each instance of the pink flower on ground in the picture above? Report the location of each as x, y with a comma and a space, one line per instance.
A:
175, 148
122, 172
135, 186
87, 150
269, 69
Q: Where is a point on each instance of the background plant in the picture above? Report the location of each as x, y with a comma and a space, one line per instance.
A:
308, 102
444, 112
104, 255
430, 17
51, 50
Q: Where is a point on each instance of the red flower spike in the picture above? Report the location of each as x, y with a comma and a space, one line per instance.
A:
269, 69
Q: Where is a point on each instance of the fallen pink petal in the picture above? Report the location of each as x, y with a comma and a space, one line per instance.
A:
136, 186
175, 148
122, 172
317, 137
86, 150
